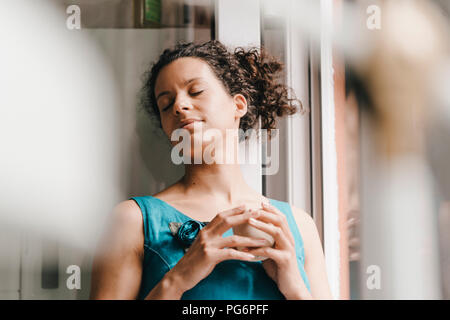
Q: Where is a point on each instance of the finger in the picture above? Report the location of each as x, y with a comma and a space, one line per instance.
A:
227, 222
274, 210
233, 254
277, 233
271, 253
270, 217
241, 241
217, 219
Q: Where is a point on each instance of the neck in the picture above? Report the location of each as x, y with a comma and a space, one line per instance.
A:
224, 182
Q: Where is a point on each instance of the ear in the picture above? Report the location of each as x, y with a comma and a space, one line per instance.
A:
240, 105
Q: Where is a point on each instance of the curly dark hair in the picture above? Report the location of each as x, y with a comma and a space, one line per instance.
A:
252, 73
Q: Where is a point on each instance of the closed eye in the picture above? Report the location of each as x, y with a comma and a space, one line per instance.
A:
164, 109
196, 93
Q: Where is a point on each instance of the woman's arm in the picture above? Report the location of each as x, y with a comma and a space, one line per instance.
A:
314, 258
117, 267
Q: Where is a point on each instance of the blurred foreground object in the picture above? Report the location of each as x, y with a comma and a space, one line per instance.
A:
400, 239
59, 127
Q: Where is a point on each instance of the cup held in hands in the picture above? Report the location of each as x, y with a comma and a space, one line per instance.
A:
247, 230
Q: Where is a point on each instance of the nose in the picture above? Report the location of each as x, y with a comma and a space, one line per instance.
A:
181, 105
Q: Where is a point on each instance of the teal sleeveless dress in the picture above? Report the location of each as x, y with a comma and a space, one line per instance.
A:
229, 280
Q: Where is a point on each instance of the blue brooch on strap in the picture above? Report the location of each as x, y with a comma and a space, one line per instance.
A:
186, 232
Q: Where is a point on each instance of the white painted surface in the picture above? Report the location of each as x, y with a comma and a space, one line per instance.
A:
329, 160
298, 137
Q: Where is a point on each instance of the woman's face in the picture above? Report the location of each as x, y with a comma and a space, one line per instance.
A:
187, 88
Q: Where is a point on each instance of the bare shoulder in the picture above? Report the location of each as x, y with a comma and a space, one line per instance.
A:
128, 212
126, 226
305, 222
315, 265
308, 231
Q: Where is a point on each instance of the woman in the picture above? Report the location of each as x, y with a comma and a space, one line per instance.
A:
146, 256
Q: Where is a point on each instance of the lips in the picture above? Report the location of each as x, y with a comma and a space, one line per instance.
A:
188, 123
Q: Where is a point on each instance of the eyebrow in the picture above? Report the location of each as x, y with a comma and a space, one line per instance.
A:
185, 83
